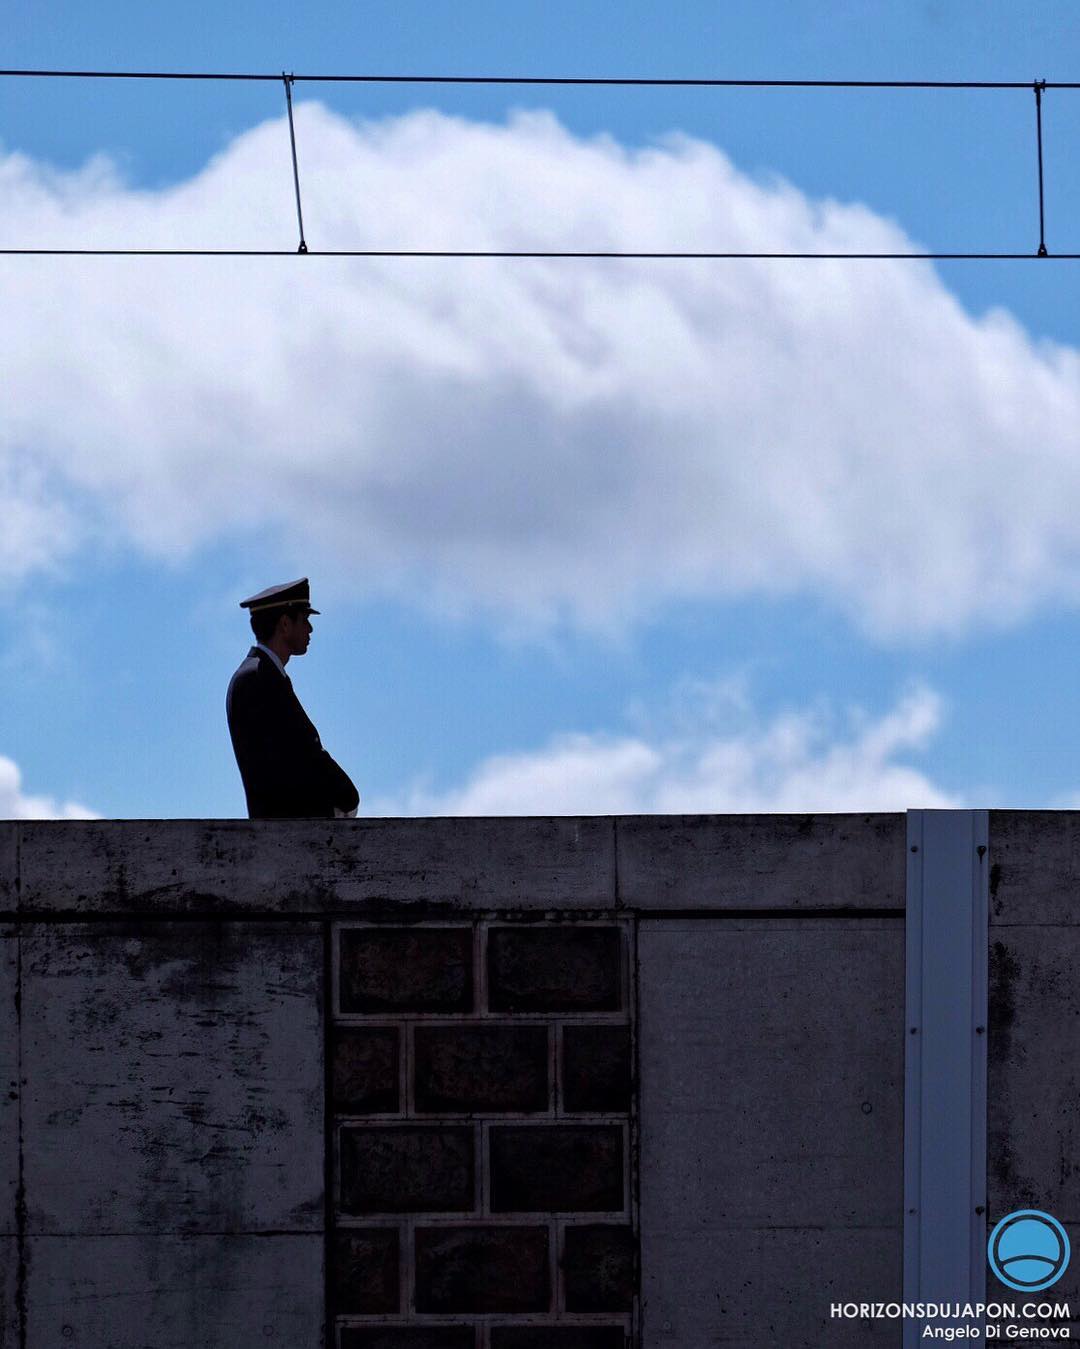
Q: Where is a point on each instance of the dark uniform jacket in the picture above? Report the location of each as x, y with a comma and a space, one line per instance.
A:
285, 769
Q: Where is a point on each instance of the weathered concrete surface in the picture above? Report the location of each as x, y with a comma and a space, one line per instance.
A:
770, 1057
771, 1111
9, 864
9, 1081
305, 866
754, 1288
1033, 1071
9, 1278
310, 866
1034, 867
174, 1078
170, 1292
761, 861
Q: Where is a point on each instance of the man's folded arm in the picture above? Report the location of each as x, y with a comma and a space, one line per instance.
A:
341, 788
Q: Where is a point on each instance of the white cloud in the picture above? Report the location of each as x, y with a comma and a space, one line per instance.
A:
583, 439
801, 761
15, 804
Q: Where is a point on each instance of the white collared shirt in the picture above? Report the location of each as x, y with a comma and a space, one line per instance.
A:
273, 656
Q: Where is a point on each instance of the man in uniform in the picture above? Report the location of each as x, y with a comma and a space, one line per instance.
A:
285, 769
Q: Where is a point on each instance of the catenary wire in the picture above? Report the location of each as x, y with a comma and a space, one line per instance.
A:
600, 80
1039, 87
522, 253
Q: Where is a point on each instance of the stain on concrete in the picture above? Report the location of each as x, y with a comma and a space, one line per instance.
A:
1004, 973
174, 1087
995, 882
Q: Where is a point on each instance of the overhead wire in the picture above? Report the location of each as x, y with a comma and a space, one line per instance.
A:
1039, 87
599, 80
309, 252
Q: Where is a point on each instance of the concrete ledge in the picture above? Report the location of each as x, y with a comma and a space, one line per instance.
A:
1034, 867
151, 867
761, 861
593, 863
657, 862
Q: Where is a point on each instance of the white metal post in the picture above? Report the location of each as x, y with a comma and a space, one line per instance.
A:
945, 1060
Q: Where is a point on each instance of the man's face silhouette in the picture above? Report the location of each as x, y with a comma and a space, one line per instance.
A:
296, 632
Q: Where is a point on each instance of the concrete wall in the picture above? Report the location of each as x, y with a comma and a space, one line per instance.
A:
1033, 1051
211, 1084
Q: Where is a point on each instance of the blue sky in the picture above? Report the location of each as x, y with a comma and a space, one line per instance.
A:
651, 536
